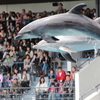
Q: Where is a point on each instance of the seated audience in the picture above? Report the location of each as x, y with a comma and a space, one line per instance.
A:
60, 90
52, 93
41, 87
18, 75
27, 62
73, 73
51, 77
25, 79
21, 55
8, 64
29, 52
13, 53
45, 63
68, 85
15, 84
34, 62
8, 80
61, 75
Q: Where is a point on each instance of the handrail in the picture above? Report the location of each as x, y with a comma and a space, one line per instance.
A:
80, 66
96, 87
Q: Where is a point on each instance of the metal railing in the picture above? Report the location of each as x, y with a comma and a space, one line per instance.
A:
30, 93
95, 89
83, 64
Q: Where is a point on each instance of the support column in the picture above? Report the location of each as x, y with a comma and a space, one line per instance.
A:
98, 8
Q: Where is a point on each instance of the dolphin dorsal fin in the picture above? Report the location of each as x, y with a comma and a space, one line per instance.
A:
77, 9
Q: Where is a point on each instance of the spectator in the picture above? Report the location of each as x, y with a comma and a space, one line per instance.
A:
44, 14
25, 79
9, 18
2, 17
1, 26
2, 48
52, 13
41, 87
1, 79
11, 27
33, 16
8, 80
13, 53
18, 18
14, 42
21, 56
18, 75
8, 64
39, 53
34, 62
60, 90
9, 35
2, 33
45, 63
27, 62
29, 52
73, 72
24, 44
60, 7
24, 16
69, 73
17, 29
52, 95
32, 44
51, 77
61, 75
15, 84
69, 85
89, 14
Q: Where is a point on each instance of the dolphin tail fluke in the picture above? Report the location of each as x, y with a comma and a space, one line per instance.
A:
68, 57
77, 9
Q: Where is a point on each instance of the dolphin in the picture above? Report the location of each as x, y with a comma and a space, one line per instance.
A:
69, 44
72, 23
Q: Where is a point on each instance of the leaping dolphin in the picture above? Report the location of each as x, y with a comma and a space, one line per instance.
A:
69, 44
72, 23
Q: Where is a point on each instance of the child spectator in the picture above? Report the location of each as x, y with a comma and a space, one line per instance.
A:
52, 94
60, 90
8, 80
69, 73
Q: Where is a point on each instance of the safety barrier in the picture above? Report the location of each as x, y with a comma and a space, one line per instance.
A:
30, 93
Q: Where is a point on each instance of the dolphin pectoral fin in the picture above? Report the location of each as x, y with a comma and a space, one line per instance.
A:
97, 20
66, 49
68, 57
49, 39
77, 9
25, 36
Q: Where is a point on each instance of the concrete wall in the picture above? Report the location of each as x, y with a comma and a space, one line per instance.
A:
40, 7
87, 78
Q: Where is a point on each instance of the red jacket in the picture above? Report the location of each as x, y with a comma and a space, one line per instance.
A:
62, 77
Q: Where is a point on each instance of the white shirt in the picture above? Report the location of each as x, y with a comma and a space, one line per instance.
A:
42, 87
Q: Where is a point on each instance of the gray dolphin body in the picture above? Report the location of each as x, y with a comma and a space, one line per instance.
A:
72, 23
69, 44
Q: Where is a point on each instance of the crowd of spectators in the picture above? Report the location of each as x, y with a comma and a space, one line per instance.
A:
17, 56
